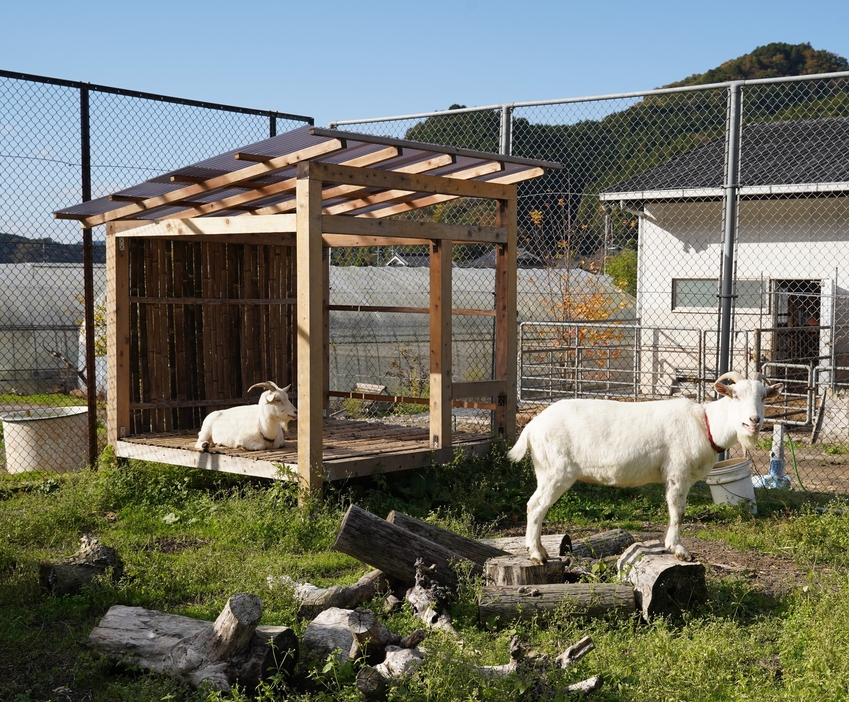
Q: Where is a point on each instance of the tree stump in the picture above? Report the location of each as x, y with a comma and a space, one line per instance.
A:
521, 570
504, 604
370, 636
475, 551
231, 649
93, 559
330, 632
662, 584
394, 550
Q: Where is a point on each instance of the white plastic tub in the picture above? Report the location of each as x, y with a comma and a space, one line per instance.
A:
730, 483
51, 439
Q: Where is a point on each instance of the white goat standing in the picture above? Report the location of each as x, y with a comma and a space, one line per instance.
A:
252, 427
627, 444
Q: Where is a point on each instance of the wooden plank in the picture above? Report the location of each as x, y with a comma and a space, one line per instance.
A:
358, 226
117, 335
332, 240
462, 311
310, 329
240, 176
217, 226
440, 348
416, 202
201, 459
505, 321
413, 182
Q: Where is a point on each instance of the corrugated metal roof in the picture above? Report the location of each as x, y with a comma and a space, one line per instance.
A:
772, 153
262, 175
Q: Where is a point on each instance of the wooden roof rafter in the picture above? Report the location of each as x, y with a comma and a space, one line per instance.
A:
260, 179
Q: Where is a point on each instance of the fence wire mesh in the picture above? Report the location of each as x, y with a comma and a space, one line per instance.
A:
633, 254
61, 142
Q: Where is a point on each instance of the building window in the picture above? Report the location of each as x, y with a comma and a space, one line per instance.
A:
702, 293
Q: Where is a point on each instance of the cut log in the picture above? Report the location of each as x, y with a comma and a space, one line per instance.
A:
500, 605
662, 584
330, 632
475, 551
313, 600
370, 636
371, 684
231, 649
555, 544
68, 575
602, 545
521, 570
394, 550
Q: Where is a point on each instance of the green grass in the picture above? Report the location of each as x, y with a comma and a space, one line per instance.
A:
46, 400
189, 539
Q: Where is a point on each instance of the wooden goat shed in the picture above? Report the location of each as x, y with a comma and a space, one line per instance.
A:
218, 278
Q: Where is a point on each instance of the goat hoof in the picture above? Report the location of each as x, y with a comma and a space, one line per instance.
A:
681, 552
204, 446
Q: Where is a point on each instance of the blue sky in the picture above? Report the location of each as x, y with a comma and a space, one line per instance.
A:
363, 58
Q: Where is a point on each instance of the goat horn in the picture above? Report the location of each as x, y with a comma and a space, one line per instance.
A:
266, 385
733, 376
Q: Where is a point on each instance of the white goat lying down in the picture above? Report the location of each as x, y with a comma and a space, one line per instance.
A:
251, 427
634, 443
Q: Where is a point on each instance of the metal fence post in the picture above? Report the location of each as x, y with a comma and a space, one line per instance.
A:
505, 145
729, 206
88, 279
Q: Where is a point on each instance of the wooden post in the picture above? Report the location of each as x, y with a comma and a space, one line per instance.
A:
117, 332
440, 349
310, 329
505, 321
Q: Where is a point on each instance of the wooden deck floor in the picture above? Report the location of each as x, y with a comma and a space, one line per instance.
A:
350, 449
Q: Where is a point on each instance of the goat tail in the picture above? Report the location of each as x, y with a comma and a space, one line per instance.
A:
520, 448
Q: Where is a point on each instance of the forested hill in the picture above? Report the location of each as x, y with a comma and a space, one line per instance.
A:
770, 61
605, 142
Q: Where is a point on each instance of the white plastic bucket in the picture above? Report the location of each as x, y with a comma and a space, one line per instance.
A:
52, 439
731, 483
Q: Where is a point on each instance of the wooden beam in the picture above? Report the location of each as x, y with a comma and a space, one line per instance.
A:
352, 190
415, 203
410, 310
117, 333
392, 180
284, 186
358, 226
505, 321
349, 240
310, 329
216, 226
440, 349
391, 195
215, 183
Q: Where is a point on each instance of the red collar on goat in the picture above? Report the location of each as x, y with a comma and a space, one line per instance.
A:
716, 448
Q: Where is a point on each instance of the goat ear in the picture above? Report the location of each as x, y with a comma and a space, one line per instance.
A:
723, 389
773, 390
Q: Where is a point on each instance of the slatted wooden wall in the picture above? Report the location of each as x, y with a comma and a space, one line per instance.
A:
207, 321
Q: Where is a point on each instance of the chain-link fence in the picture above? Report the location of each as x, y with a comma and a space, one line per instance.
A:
61, 143
692, 231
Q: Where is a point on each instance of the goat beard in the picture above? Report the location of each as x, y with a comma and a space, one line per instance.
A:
748, 442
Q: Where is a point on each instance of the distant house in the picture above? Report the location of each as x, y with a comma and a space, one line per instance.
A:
792, 240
